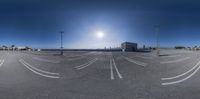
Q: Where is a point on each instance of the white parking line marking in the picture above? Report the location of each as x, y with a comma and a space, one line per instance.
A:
32, 69
175, 61
40, 69
120, 76
179, 81
111, 71
1, 62
86, 65
136, 62
178, 76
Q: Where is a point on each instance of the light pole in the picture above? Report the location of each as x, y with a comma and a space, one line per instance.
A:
61, 43
157, 39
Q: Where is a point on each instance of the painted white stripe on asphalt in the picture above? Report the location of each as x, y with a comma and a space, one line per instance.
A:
51, 73
179, 81
37, 72
175, 61
85, 63
136, 62
120, 76
178, 76
78, 68
111, 71
1, 62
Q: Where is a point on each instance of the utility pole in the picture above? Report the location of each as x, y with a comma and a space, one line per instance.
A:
157, 27
61, 43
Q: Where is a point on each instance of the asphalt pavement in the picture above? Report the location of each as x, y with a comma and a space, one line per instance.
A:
99, 75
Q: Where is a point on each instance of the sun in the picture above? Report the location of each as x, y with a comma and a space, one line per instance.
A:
100, 34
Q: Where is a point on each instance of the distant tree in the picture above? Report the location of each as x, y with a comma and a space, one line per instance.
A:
13, 47
179, 47
4, 46
144, 47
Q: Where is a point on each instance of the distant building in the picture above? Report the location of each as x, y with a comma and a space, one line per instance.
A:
38, 50
21, 48
128, 46
15, 48
24, 48
179, 47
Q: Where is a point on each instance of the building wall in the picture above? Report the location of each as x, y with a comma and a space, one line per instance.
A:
128, 46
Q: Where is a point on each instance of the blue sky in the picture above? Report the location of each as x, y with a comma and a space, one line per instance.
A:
37, 23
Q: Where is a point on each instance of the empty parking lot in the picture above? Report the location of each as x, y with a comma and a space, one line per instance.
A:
99, 75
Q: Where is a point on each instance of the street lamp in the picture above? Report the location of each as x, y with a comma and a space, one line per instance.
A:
157, 39
61, 43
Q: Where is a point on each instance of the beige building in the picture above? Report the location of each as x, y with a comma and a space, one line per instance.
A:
128, 46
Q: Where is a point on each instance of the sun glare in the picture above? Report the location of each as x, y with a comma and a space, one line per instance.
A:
100, 34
